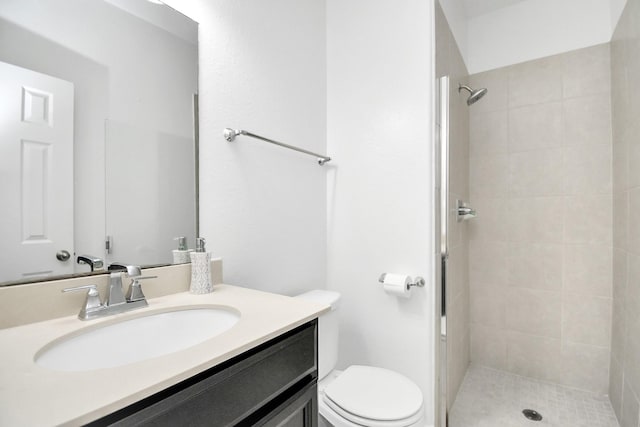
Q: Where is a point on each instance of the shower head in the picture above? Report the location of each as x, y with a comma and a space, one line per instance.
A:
474, 94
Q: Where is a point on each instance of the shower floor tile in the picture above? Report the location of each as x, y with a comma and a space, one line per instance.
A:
492, 398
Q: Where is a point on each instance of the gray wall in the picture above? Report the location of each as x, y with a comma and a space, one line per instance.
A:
449, 62
541, 246
624, 389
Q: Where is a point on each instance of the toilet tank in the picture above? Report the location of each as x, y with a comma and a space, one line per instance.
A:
327, 330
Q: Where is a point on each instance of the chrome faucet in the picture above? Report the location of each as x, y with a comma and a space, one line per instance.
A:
116, 301
131, 270
116, 291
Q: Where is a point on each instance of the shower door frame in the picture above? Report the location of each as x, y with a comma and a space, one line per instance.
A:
441, 179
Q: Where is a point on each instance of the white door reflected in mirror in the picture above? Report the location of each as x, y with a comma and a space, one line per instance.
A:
36, 160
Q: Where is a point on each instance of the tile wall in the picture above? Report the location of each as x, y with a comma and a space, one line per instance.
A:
449, 62
624, 379
540, 256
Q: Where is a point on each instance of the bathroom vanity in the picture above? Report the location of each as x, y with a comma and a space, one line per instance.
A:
261, 371
271, 385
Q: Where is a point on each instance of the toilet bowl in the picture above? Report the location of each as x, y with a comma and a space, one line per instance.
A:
360, 395
369, 396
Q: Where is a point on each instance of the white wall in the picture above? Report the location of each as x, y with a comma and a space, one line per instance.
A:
379, 103
535, 29
263, 208
456, 15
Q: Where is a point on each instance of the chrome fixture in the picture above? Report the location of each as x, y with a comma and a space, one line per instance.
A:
532, 414
94, 262
474, 94
116, 301
92, 304
108, 244
464, 211
416, 281
135, 293
132, 270
63, 255
230, 135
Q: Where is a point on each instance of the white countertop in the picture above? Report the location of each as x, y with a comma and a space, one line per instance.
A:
31, 395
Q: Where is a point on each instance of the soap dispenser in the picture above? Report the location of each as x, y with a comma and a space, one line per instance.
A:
200, 269
181, 255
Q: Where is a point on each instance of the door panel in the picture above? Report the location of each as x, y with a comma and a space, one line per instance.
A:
36, 170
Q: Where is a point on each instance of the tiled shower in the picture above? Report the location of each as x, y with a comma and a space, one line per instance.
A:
546, 278
540, 253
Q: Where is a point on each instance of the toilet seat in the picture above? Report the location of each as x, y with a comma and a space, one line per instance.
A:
373, 397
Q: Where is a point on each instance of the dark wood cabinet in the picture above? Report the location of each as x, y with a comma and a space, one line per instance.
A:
271, 385
300, 410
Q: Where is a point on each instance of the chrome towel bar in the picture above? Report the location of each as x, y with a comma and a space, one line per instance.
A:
230, 135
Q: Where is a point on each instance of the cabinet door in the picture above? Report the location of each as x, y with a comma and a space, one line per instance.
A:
301, 410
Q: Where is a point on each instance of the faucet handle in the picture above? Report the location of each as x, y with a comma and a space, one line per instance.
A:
135, 289
91, 304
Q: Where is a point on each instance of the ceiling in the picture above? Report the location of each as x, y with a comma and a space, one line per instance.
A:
475, 8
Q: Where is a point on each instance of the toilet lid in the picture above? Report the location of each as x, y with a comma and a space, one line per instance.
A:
375, 394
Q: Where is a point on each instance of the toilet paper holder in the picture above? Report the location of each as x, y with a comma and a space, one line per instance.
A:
416, 281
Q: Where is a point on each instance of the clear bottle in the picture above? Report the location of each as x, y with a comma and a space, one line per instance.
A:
201, 282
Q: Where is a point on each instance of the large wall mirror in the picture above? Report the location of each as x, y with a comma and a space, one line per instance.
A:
98, 135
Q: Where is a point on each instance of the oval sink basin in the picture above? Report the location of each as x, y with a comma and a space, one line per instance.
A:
136, 339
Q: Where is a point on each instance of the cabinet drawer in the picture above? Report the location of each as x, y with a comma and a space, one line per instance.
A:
233, 392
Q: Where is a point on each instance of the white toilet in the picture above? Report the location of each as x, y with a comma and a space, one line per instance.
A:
359, 395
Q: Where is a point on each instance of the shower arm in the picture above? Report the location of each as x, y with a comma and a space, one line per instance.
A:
465, 87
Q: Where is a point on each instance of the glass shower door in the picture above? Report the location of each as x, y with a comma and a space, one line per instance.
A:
441, 222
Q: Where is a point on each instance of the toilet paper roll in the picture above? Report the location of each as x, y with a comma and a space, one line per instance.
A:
397, 284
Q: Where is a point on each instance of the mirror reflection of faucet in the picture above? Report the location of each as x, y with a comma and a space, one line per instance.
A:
93, 261
116, 300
